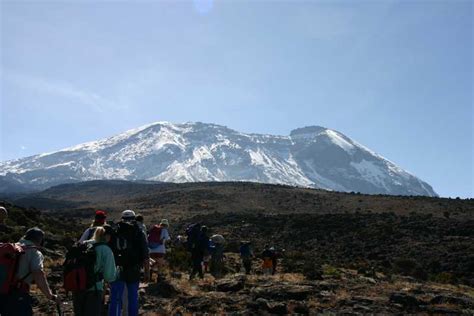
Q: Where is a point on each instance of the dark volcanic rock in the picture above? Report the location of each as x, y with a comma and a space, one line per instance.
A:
283, 292
409, 302
453, 300
230, 285
277, 308
162, 289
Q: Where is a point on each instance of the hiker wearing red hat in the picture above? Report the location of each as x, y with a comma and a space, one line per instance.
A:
99, 220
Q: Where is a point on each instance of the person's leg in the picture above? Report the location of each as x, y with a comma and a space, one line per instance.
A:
3, 303
93, 303
154, 267
196, 262
160, 266
78, 302
125, 301
18, 304
115, 305
248, 266
199, 267
132, 289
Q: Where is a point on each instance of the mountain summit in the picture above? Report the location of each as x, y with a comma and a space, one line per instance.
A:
312, 156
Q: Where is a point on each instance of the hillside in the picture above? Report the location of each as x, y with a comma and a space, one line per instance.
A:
344, 229
341, 252
188, 199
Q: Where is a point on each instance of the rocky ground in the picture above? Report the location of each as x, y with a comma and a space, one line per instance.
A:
339, 291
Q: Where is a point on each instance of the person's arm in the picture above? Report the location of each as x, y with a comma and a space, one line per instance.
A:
167, 235
41, 282
84, 236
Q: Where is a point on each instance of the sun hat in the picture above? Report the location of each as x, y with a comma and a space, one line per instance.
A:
164, 222
34, 234
128, 214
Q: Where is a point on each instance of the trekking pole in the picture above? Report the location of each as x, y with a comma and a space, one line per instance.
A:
58, 305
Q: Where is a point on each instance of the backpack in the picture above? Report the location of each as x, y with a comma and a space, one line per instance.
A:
126, 244
9, 258
78, 267
154, 237
193, 232
245, 250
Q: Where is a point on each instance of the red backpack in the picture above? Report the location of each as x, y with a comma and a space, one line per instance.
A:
9, 257
154, 237
79, 267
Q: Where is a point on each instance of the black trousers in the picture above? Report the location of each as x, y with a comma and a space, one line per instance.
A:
87, 303
16, 304
197, 267
247, 261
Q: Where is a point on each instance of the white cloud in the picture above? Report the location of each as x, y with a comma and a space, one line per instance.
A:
62, 89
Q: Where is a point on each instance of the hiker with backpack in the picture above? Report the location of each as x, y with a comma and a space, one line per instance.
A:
198, 242
246, 254
131, 253
268, 255
157, 239
99, 220
217, 255
139, 219
22, 265
94, 261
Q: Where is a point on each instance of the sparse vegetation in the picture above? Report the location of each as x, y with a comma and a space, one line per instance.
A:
337, 257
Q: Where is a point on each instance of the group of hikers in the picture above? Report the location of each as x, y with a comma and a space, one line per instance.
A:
117, 254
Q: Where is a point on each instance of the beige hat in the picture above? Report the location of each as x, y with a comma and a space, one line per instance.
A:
164, 222
128, 214
218, 239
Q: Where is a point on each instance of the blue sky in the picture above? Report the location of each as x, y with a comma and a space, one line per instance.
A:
396, 76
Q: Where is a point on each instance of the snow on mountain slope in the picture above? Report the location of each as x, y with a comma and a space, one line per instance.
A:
311, 157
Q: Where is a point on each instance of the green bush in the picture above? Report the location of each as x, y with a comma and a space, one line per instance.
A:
443, 277
178, 259
331, 271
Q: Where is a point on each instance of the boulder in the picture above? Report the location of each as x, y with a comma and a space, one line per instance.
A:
453, 300
283, 292
407, 301
230, 285
162, 289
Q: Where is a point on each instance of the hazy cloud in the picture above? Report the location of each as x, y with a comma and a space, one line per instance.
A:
63, 89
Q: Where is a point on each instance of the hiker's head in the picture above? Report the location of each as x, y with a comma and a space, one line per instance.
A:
139, 218
204, 229
102, 234
164, 222
99, 218
128, 215
35, 235
3, 214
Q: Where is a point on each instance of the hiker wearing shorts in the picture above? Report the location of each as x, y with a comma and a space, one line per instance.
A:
29, 269
157, 239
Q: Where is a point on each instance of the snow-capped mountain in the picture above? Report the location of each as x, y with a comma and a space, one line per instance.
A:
313, 156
